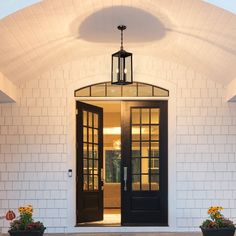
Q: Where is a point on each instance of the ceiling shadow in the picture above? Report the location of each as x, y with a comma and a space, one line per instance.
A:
101, 26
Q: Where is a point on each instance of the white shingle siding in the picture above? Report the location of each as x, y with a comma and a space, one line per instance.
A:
36, 145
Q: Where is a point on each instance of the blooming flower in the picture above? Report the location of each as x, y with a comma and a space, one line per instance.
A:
217, 220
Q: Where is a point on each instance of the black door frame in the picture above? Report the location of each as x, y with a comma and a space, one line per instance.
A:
122, 173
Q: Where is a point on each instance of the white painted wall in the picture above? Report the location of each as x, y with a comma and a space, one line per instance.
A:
37, 143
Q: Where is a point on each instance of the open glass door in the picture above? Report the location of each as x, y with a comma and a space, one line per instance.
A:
89, 156
144, 184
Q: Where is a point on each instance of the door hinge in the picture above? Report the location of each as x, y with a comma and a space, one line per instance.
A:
76, 111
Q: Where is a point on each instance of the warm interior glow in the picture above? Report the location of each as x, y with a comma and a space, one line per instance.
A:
112, 130
117, 130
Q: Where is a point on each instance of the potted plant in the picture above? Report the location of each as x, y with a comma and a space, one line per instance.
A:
217, 224
24, 225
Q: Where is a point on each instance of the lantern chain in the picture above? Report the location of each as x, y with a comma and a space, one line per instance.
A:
121, 28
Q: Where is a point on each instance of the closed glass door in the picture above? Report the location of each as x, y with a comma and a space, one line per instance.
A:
144, 163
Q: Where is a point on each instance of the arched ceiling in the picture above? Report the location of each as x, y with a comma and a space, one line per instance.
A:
52, 32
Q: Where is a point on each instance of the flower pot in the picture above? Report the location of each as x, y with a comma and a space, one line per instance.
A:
218, 232
27, 232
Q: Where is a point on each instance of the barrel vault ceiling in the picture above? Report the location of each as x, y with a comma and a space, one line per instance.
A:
192, 33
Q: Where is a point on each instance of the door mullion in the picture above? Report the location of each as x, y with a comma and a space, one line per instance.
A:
149, 151
141, 147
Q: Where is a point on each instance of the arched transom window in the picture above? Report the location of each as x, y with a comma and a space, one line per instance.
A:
136, 89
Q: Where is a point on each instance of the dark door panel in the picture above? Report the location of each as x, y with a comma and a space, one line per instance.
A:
89, 162
144, 163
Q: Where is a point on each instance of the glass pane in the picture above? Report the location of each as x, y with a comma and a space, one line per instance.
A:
145, 149
85, 92
95, 135
90, 119
159, 92
98, 90
144, 90
85, 154
135, 132
154, 149
155, 182
130, 90
95, 117
136, 149
145, 116
95, 182
90, 182
145, 132
95, 167
155, 132
85, 134
136, 182
85, 167
95, 151
85, 118
114, 91
90, 130
90, 166
155, 113
85, 180
154, 166
145, 165
145, 182
90, 151
135, 113
136, 166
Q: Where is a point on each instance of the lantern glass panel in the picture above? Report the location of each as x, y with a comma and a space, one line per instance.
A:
128, 69
115, 68
122, 67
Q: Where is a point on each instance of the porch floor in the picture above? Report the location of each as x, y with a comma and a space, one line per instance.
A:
131, 234
125, 234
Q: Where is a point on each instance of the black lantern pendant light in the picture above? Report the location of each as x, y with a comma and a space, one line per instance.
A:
121, 64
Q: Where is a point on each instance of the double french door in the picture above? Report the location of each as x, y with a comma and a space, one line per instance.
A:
144, 166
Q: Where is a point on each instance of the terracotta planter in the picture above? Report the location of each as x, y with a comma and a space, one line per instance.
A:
27, 233
218, 232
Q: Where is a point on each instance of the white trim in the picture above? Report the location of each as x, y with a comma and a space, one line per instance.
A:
230, 91
171, 153
8, 91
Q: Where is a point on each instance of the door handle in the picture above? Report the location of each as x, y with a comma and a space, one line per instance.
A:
102, 179
125, 178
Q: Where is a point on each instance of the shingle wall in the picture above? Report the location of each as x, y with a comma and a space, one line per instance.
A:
35, 148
